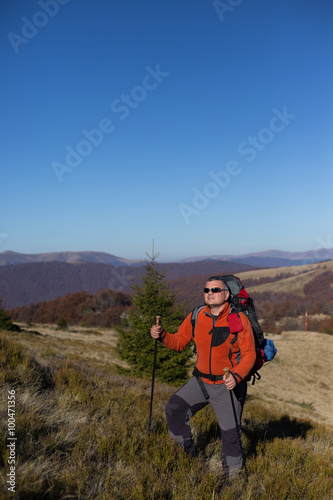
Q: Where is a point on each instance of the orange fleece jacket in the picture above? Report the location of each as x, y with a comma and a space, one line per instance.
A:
215, 349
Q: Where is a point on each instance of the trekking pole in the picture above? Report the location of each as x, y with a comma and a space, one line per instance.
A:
227, 375
157, 323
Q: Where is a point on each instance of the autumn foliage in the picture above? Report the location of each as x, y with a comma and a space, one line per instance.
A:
105, 308
277, 311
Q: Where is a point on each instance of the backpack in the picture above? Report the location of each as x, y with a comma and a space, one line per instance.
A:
240, 301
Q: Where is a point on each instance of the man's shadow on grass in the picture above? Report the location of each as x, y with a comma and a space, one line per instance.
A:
260, 431
282, 427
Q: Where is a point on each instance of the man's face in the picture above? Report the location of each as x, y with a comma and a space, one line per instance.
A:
216, 299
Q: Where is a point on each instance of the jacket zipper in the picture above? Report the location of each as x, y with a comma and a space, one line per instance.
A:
230, 356
210, 352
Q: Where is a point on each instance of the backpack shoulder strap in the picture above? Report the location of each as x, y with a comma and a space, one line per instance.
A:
194, 317
234, 320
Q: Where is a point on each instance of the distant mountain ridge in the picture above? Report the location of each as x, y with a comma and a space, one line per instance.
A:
267, 258
27, 279
273, 258
10, 258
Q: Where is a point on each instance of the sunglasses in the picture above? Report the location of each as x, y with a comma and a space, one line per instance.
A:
215, 290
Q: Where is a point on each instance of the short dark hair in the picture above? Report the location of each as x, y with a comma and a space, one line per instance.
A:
218, 278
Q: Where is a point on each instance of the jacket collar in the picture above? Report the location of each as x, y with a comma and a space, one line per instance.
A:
222, 314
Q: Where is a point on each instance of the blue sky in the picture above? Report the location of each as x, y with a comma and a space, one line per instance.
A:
204, 125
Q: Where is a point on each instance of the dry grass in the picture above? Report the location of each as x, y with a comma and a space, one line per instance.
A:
82, 430
300, 379
300, 275
96, 345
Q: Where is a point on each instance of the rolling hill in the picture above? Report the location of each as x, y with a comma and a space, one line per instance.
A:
284, 284
281, 300
10, 258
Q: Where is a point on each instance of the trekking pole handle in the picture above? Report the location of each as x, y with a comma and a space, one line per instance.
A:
158, 318
227, 372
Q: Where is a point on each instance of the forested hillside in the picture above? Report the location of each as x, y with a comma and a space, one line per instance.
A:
25, 284
282, 297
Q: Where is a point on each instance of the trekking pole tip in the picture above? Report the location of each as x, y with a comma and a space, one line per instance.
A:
227, 372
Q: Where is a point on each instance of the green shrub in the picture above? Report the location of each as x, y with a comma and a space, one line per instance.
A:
62, 324
327, 326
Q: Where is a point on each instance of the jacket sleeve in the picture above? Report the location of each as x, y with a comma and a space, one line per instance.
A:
179, 340
247, 349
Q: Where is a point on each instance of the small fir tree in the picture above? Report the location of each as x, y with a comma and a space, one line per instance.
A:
5, 321
152, 297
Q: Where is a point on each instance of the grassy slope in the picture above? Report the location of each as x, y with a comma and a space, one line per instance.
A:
300, 379
300, 275
189, 289
82, 429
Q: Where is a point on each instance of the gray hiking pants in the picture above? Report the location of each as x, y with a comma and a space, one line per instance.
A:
189, 399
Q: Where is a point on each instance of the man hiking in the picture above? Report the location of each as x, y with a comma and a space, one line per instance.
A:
217, 349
